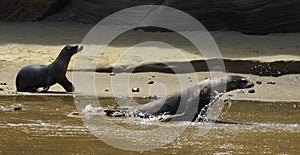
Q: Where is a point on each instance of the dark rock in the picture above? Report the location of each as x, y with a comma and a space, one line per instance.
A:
258, 82
152, 97
271, 82
74, 113
251, 91
150, 82
112, 74
4, 83
135, 89
17, 107
1, 89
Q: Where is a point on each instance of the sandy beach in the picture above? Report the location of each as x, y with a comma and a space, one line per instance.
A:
265, 119
23, 44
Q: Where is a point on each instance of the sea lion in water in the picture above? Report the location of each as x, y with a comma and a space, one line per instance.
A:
187, 104
33, 77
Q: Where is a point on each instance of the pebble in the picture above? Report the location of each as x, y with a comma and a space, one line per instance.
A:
112, 74
135, 89
17, 107
150, 82
1, 89
75, 113
3, 83
251, 91
258, 82
106, 89
271, 82
152, 97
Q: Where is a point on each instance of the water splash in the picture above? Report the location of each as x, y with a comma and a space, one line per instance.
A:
203, 113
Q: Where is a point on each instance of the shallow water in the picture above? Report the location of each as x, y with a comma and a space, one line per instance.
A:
43, 127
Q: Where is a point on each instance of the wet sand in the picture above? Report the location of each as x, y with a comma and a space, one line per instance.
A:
39, 43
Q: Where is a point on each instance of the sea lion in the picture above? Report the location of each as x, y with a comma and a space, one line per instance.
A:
32, 78
186, 105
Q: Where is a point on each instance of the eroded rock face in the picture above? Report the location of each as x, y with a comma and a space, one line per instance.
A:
259, 16
248, 16
28, 10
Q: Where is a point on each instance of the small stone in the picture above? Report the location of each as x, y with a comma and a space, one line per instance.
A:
150, 82
16, 107
189, 78
153, 76
251, 91
152, 97
3, 83
75, 113
271, 82
112, 74
258, 82
106, 89
135, 89
1, 89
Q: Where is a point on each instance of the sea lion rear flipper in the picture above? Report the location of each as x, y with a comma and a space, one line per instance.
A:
68, 86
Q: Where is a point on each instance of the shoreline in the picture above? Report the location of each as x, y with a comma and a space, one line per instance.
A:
284, 90
71, 96
23, 44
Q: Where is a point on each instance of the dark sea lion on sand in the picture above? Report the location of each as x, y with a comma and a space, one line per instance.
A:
33, 77
188, 103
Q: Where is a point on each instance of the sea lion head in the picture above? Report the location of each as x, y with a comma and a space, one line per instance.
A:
237, 82
70, 50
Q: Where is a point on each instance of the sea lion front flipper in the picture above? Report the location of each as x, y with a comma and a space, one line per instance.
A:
68, 86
